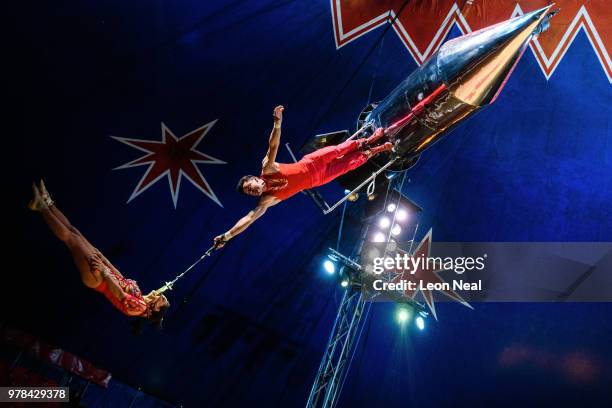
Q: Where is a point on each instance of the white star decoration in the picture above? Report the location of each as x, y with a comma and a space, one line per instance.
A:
172, 157
427, 275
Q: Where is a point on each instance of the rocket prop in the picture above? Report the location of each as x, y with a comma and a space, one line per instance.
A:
466, 74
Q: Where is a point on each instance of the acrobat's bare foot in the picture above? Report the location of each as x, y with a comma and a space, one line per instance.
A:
46, 197
36, 203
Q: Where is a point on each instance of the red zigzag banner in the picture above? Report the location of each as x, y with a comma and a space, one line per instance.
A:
423, 25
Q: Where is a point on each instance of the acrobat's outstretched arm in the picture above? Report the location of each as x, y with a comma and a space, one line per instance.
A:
274, 141
241, 225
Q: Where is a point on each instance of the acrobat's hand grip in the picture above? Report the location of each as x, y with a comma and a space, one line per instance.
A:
219, 241
278, 113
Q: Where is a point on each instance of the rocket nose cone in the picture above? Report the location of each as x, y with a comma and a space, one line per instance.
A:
476, 66
540, 12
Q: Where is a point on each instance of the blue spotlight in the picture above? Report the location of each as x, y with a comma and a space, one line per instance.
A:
403, 314
420, 323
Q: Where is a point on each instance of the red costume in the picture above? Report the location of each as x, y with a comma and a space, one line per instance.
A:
315, 169
133, 304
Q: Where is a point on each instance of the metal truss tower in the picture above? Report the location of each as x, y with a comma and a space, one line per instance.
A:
352, 313
336, 360
335, 363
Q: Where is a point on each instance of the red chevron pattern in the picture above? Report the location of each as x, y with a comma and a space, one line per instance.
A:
423, 25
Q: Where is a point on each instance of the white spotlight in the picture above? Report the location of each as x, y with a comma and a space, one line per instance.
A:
344, 283
396, 230
391, 207
373, 253
379, 237
384, 222
401, 214
329, 267
420, 323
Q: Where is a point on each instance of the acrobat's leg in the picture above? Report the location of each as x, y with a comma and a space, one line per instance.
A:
373, 151
93, 251
79, 248
378, 134
59, 215
328, 154
342, 165
351, 161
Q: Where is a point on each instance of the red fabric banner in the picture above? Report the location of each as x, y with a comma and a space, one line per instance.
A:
55, 355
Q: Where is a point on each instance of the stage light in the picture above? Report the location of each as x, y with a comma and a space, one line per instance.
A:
391, 207
396, 230
403, 314
329, 267
420, 323
372, 196
353, 197
344, 283
401, 214
384, 222
379, 237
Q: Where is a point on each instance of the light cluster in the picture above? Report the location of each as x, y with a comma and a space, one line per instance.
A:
390, 223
